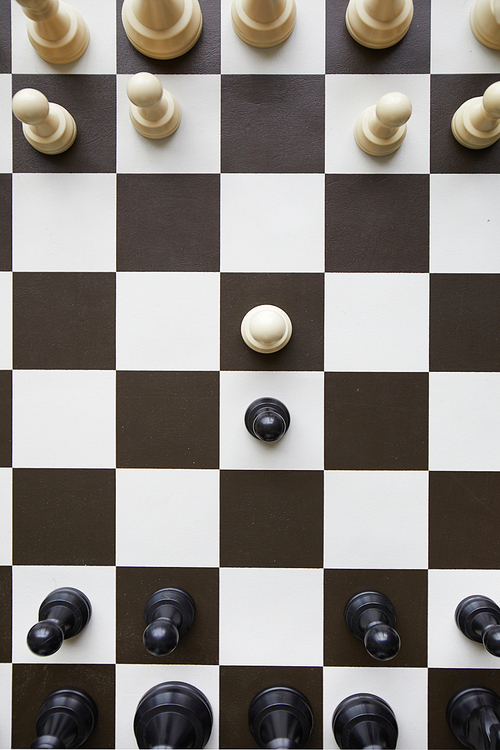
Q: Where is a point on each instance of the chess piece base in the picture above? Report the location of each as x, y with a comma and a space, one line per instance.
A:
277, 711
484, 25
60, 140
465, 132
164, 44
73, 712
370, 143
156, 129
263, 34
361, 717
258, 346
67, 49
373, 33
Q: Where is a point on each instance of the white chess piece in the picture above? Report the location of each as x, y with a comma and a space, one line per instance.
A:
154, 111
162, 29
378, 23
476, 124
47, 126
56, 30
266, 329
263, 23
381, 128
485, 22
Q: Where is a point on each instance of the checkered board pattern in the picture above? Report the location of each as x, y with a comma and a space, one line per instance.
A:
127, 267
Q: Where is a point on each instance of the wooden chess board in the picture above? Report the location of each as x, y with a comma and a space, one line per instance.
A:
127, 266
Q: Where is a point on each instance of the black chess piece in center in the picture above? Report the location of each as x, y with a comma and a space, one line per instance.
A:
267, 419
364, 720
473, 716
280, 717
168, 614
478, 617
371, 617
62, 614
65, 719
174, 715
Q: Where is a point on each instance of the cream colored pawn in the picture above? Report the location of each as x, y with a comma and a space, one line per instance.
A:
48, 127
476, 124
378, 23
56, 30
154, 111
485, 22
162, 28
266, 329
263, 23
381, 128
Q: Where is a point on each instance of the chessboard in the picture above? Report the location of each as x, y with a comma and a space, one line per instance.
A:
127, 266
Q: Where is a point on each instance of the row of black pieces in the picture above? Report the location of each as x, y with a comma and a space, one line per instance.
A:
178, 715
169, 612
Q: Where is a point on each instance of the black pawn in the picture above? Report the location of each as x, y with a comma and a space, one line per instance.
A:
62, 614
65, 719
479, 619
168, 614
473, 716
364, 720
280, 717
175, 715
371, 616
267, 419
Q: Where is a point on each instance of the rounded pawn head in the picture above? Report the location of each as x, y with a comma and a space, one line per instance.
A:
491, 99
491, 640
30, 106
382, 642
45, 638
269, 426
144, 90
160, 637
267, 327
393, 109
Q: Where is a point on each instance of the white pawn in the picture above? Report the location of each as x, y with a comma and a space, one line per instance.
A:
266, 329
485, 22
56, 30
378, 23
476, 124
162, 28
47, 126
263, 23
381, 128
154, 111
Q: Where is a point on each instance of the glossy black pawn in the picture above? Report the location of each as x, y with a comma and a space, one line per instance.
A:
168, 614
479, 619
364, 720
65, 719
371, 616
175, 715
473, 716
280, 717
267, 419
62, 614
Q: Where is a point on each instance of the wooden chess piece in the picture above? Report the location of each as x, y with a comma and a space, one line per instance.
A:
485, 22
280, 717
56, 30
263, 23
267, 419
48, 127
65, 719
478, 617
476, 124
155, 112
168, 614
364, 720
381, 129
162, 29
266, 329
378, 23
371, 617
62, 615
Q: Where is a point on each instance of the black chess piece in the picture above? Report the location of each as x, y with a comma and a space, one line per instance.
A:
175, 715
168, 614
280, 717
65, 719
62, 614
267, 419
371, 616
364, 720
479, 619
473, 716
